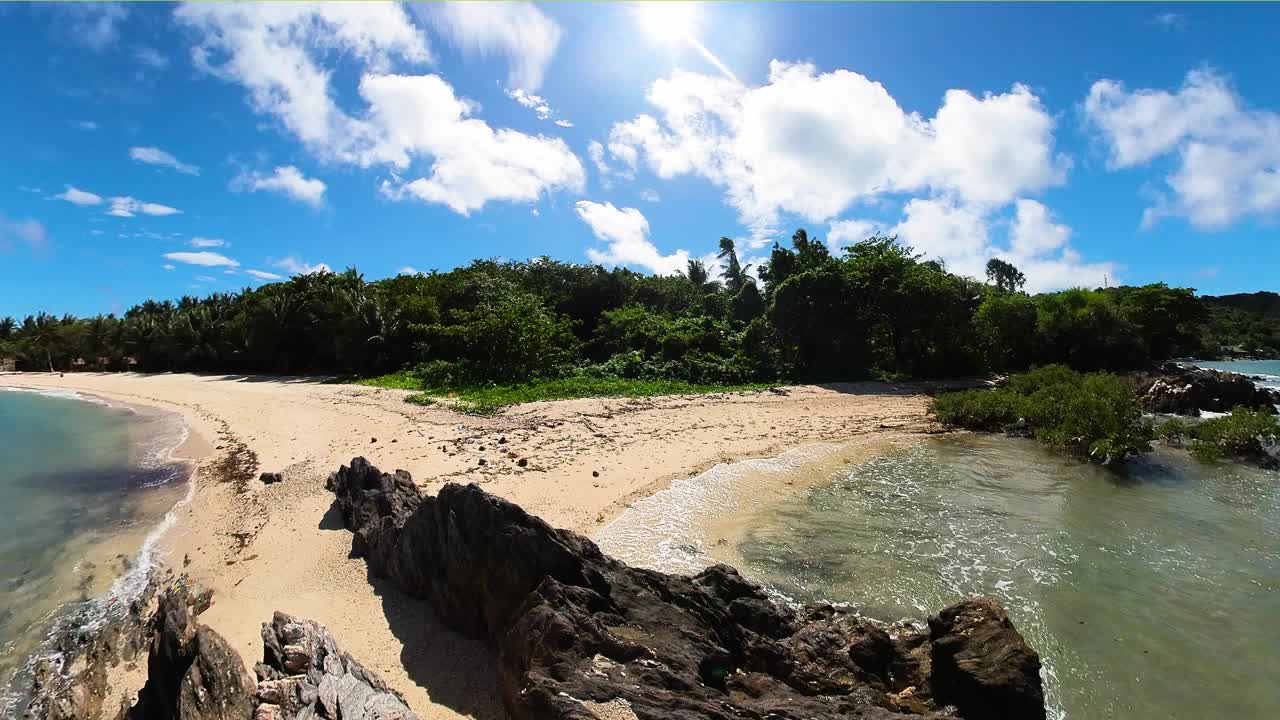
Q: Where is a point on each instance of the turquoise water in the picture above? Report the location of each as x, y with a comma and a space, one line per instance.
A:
1153, 593
83, 484
1267, 372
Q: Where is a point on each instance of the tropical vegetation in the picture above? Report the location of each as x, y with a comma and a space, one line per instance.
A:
874, 309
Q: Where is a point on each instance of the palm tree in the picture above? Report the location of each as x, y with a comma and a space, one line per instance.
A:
734, 274
697, 275
7, 326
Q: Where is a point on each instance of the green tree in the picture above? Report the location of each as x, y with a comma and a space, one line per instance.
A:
1004, 275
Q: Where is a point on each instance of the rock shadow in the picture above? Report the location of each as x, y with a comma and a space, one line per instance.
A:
456, 671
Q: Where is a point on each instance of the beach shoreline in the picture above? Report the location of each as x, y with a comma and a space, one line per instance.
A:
578, 464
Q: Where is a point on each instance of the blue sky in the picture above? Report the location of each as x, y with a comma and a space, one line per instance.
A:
159, 150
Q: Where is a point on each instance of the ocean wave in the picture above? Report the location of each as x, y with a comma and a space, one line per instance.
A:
665, 531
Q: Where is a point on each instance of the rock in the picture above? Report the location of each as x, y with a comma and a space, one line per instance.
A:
571, 628
269, 478
1185, 390
981, 664
522, 462
194, 674
304, 673
481, 462
502, 440
595, 473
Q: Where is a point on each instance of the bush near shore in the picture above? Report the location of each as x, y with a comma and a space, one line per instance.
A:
1245, 433
1094, 416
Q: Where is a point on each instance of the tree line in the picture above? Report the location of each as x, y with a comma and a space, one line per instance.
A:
874, 310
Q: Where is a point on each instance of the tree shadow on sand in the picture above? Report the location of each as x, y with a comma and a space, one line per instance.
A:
456, 671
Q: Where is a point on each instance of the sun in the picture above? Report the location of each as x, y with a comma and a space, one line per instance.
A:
668, 21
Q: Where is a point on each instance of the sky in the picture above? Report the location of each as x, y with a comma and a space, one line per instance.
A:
157, 150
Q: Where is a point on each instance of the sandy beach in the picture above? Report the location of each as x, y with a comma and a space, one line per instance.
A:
577, 464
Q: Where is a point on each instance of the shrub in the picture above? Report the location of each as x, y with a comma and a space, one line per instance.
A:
1094, 416
1175, 431
987, 410
1244, 433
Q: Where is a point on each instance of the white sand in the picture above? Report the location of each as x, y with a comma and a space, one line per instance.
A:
277, 547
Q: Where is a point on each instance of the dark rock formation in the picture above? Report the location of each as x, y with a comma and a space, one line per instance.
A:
574, 630
192, 673
69, 682
1185, 390
269, 478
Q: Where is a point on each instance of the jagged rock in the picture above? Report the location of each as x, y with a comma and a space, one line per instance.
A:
269, 478
573, 629
980, 662
305, 673
1187, 390
192, 673
72, 684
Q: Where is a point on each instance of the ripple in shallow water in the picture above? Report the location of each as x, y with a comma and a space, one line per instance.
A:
1151, 593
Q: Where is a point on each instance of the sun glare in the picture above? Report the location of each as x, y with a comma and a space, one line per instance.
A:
668, 22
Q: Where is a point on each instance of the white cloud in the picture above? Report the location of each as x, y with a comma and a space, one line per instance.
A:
274, 50
230, 272
534, 212
407, 270
95, 232
269, 48
129, 207
961, 236
847, 232
263, 275
286, 180
29, 189
150, 57
812, 144
29, 232
627, 233
518, 30
564, 123
205, 279
203, 258
87, 125
168, 266
200, 242
535, 103
296, 266
474, 164
76, 196
156, 156
650, 195
1228, 155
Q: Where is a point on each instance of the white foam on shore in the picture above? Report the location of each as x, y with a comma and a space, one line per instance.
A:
666, 531
91, 616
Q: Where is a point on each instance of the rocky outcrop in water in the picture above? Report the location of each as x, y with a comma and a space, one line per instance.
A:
1181, 390
69, 679
579, 635
194, 674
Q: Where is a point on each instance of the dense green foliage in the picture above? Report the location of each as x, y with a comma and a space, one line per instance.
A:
876, 309
1093, 415
1244, 433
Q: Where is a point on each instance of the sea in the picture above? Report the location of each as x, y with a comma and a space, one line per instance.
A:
1149, 592
87, 488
